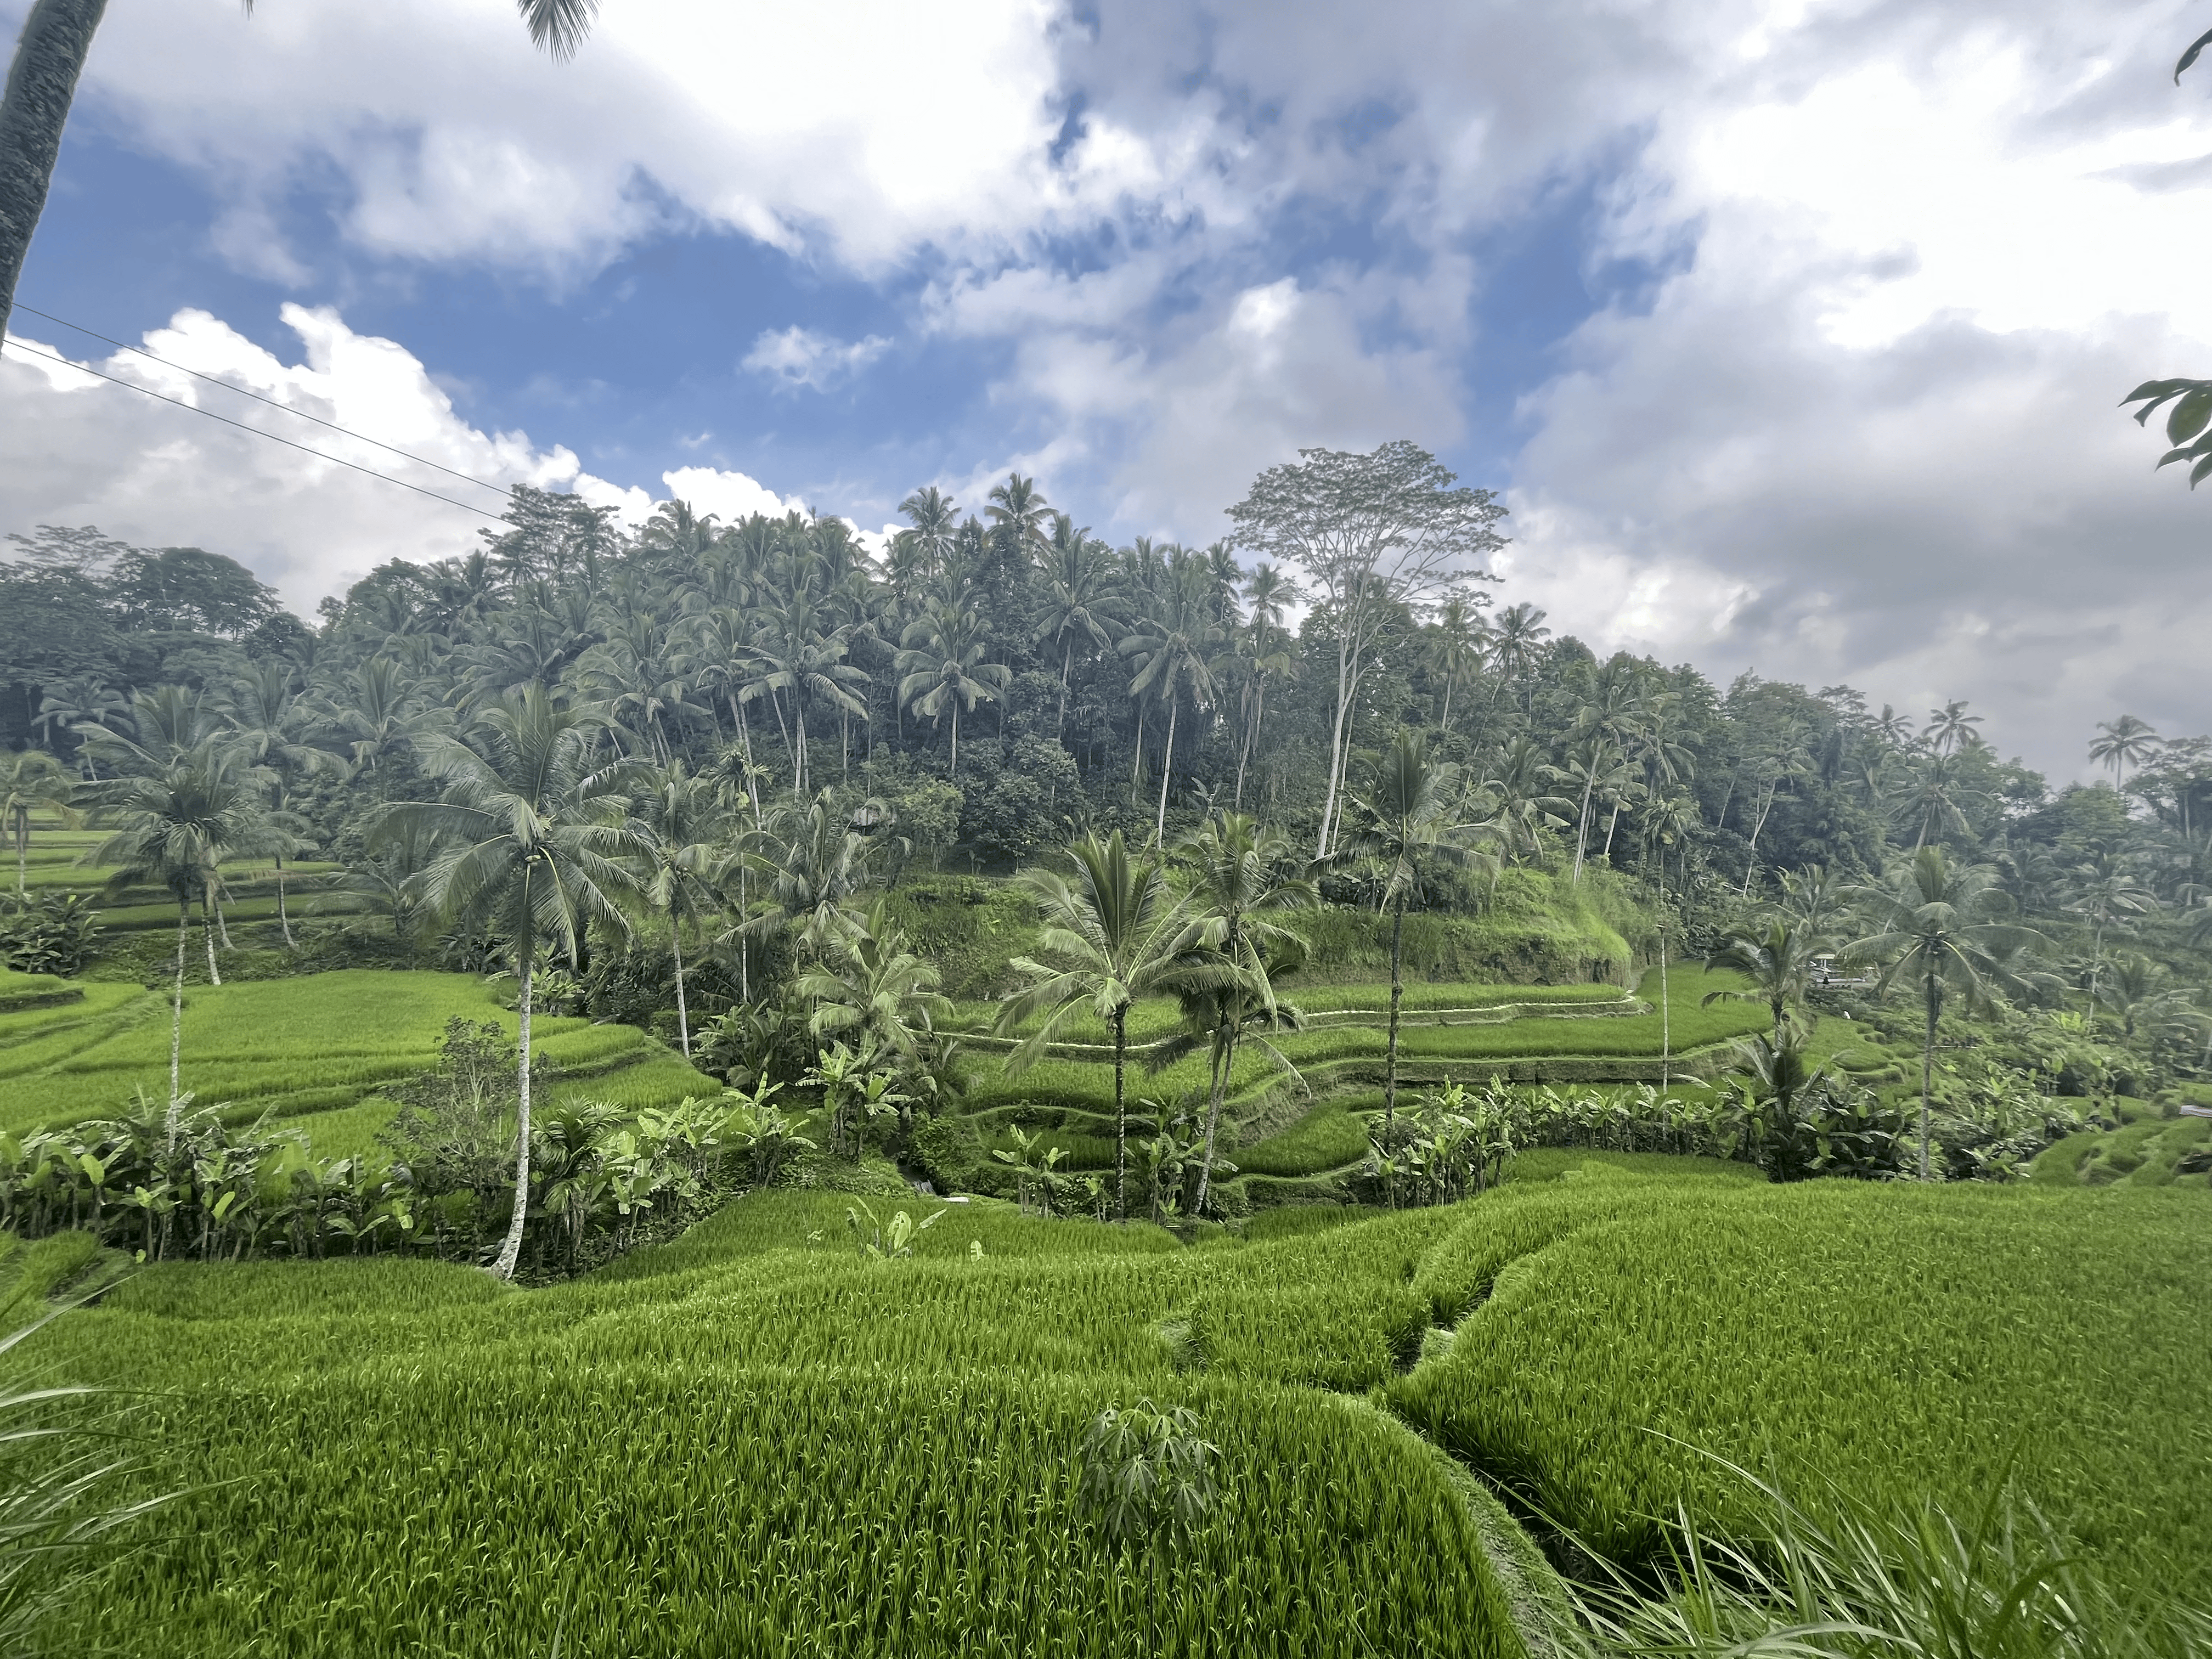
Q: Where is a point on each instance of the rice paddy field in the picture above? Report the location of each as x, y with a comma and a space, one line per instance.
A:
315, 1047
754, 1439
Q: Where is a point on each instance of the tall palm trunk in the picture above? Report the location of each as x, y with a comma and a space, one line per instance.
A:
176, 1024
284, 920
1224, 1061
207, 931
510, 1251
22, 848
42, 80
1666, 1033
955, 740
1121, 1116
1390, 1063
1582, 832
1933, 994
683, 1015
1167, 771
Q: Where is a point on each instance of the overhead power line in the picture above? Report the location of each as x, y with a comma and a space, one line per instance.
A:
156, 357
56, 357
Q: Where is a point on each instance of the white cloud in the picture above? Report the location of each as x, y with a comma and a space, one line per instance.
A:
790, 358
77, 450
866, 127
729, 496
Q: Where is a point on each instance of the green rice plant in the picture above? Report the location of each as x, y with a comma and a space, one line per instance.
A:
1907, 1342
1330, 1136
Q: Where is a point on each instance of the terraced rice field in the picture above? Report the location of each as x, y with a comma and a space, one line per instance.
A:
754, 1440
321, 1043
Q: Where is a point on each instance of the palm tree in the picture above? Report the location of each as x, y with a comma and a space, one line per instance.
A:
942, 668
1521, 810
936, 519
872, 991
1453, 652
810, 859
1670, 819
1079, 597
674, 823
1517, 636
42, 83
1930, 798
1404, 824
1240, 877
530, 852
1594, 767
2127, 741
2108, 895
1173, 650
1949, 728
173, 827
1265, 644
1017, 514
1110, 935
794, 653
31, 780
1947, 929
1779, 965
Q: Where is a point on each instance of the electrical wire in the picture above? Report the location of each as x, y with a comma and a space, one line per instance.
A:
55, 357
154, 357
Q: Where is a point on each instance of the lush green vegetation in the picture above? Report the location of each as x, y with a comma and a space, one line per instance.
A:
1902, 1343
1563, 1073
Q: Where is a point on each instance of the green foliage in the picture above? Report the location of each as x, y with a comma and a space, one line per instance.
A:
1901, 1341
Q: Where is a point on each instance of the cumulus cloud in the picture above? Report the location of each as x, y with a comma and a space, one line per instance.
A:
793, 358
862, 128
1899, 262
729, 496
75, 449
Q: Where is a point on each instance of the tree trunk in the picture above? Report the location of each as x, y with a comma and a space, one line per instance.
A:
1927, 1070
1120, 1118
1666, 1032
683, 1015
177, 1025
22, 848
955, 740
1582, 832
284, 920
207, 930
1345, 681
1225, 1059
1390, 1064
1167, 771
510, 1252
1066, 663
42, 80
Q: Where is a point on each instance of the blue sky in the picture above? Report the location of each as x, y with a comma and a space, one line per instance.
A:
1791, 330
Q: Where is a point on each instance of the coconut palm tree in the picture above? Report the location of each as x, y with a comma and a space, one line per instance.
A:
1240, 879
529, 852
1111, 934
1515, 638
1950, 930
942, 668
872, 991
172, 828
808, 860
675, 821
1080, 601
1267, 648
1778, 963
1173, 650
1949, 728
1018, 512
1521, 808
42, 83
1404, 824
1453, 651
31, 780
2126, 742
